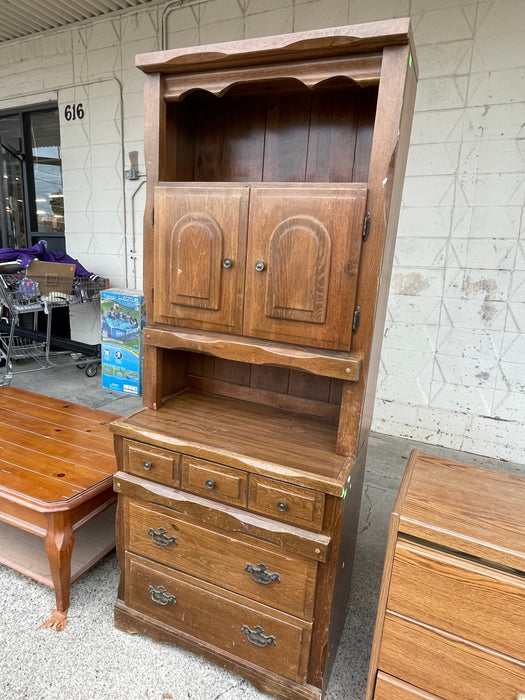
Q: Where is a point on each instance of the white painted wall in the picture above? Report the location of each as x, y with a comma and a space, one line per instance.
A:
453, 361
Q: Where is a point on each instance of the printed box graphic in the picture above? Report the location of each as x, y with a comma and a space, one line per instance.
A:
123, 314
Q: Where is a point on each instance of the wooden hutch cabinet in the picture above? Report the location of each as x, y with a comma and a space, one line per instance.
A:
275, 168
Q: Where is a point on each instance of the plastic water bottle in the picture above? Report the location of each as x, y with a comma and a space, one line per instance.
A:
28, 288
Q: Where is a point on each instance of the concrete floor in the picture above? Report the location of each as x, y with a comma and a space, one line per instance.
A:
91, 660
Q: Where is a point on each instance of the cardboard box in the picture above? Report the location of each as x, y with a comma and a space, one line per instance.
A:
51, 277
123, 314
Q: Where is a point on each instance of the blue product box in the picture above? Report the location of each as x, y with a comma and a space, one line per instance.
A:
123, 314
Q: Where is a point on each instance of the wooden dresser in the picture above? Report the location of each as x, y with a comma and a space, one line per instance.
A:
275, 168
451, 617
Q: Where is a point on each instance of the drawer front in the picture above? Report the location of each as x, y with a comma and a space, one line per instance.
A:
445, 665
465, 598
276, 642
152, 463
214, 481
283, 582
292, 504
389, 688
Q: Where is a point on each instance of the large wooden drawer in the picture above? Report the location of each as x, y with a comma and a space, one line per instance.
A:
152, 463
292, 504
260, 573
445, 665
389, 688
274, 641
477, 602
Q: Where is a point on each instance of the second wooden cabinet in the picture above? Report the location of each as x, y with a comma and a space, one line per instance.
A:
451, 618
274, 262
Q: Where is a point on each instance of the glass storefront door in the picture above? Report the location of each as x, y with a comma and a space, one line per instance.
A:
32, 199
12, 214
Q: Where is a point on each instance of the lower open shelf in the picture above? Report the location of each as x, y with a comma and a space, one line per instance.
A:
25, 552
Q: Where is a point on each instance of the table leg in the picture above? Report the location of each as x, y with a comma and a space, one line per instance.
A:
59, 548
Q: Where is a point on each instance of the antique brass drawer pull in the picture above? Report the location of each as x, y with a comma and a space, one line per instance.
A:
161, 596
256, 636
261, 575
160, 538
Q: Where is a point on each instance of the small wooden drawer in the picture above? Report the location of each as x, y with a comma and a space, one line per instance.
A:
474, 601
389, 688
284, 582
446, 665
152, 463
277, 642
214, 481
293, 504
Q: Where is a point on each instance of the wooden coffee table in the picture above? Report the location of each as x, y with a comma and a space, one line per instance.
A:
56, 468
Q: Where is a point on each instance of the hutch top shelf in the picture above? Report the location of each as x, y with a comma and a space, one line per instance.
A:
314, 44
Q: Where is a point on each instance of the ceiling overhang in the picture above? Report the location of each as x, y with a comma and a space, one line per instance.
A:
23, 18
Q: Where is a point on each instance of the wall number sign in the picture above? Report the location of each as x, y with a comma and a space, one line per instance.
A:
74, 111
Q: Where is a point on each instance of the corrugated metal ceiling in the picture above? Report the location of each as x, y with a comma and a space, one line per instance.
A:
19, 18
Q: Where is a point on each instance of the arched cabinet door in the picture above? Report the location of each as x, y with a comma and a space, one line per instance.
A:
302, 263
200, 256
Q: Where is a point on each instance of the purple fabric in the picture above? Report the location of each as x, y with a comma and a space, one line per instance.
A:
40, 252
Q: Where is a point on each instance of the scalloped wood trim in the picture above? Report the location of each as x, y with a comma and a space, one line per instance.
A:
360, 70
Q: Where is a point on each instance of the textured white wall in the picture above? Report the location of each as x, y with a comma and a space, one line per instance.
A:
453, 362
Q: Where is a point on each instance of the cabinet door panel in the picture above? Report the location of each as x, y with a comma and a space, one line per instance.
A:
199, 256
302, 263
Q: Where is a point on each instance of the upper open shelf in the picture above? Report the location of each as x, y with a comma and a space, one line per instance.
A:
278, 131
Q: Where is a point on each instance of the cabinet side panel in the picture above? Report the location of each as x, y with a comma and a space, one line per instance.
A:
333, 581
387, 168
166, 373
178, 151
154, 130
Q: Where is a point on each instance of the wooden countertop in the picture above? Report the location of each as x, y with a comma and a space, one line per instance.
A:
261, 439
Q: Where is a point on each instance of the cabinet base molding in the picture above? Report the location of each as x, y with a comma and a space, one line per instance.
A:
133, 622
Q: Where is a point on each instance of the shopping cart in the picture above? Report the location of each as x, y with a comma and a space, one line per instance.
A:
24, 300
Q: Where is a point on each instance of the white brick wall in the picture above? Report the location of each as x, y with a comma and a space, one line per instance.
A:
453, 362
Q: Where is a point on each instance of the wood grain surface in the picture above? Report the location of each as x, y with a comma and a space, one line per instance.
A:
52, 450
